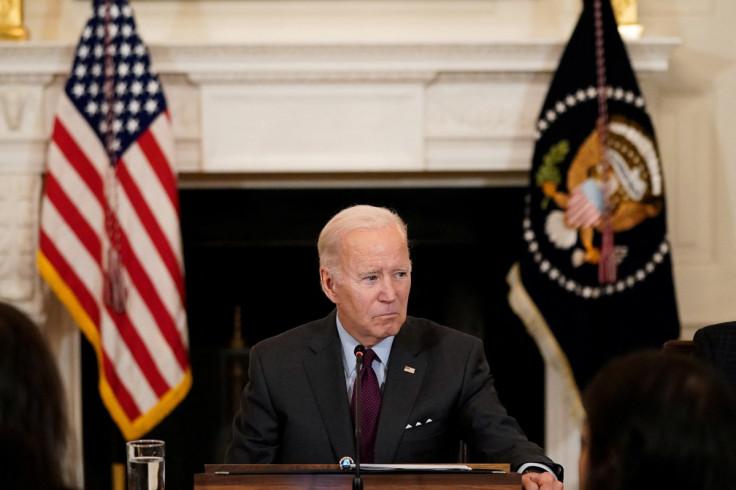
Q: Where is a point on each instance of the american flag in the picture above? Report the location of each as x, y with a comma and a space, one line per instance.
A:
109, 241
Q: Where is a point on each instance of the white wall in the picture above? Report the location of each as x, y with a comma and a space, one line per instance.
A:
320, 21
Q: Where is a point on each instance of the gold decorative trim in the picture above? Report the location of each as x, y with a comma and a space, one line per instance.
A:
11, 21
626, 13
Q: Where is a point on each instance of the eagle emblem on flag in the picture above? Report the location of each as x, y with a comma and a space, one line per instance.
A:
634, 191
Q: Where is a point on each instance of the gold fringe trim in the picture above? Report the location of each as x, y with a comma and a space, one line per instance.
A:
524, 306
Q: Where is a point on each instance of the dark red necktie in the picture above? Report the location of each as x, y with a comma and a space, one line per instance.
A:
370, 405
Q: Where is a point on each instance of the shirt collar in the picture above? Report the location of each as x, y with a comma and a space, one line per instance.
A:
382, 349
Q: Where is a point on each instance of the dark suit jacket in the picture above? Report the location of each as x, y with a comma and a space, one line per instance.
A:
295, 407
716, 344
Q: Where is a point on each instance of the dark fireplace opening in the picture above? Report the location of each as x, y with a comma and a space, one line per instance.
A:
252, 253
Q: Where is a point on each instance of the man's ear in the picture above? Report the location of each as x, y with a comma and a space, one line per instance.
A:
328, 284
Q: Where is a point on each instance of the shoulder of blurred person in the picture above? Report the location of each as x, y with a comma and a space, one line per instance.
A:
33, 426
716, 345
657, 420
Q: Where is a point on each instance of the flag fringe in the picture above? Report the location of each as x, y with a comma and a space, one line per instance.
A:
143, 424
131, 429
525, 308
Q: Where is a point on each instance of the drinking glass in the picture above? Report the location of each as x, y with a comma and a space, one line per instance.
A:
146, 464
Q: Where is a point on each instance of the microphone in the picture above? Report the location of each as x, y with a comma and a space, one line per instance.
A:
359, 353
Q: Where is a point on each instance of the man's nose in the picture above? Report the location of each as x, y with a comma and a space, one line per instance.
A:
388, 290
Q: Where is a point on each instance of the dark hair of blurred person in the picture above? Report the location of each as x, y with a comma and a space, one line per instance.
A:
658, 420
33, 425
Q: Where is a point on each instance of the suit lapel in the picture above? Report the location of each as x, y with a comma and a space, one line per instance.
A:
325, 371
400, 391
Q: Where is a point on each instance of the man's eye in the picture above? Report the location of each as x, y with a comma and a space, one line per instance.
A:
401, 274
371, 278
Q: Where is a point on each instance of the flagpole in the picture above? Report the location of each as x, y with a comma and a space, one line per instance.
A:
11, 21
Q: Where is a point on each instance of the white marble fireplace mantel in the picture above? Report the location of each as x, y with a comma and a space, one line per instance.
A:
258, 109
291, 115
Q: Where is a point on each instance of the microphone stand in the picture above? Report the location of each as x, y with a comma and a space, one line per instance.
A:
359, 352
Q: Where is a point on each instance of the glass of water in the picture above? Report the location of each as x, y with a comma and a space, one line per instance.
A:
146, 464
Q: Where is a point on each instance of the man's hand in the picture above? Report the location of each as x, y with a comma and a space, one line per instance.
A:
540, 481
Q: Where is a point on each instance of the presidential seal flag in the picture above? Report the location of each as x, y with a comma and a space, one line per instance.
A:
594, 278
109, 240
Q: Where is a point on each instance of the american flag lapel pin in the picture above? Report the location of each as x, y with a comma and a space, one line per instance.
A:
409, 369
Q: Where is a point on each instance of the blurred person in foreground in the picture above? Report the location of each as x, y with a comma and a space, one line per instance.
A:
657, 420
433, 382
33, 426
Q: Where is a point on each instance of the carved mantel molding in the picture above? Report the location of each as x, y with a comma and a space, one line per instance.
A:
440, 94
199, 59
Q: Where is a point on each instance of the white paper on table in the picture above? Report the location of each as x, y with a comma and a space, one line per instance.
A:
416, 467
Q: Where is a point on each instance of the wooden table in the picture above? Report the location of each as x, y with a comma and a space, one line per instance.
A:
290, 476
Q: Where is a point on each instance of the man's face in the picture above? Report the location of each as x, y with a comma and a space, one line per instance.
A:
372, 289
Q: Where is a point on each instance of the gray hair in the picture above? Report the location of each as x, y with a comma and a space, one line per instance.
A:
359, 217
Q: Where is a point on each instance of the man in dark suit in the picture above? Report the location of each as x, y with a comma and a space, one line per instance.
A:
433, 386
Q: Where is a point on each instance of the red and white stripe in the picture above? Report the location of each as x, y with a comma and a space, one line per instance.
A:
143, 352
581, 212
